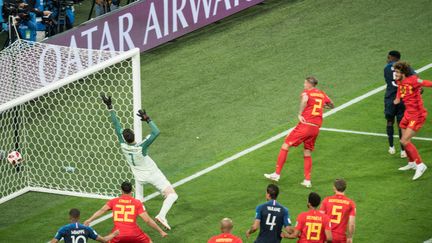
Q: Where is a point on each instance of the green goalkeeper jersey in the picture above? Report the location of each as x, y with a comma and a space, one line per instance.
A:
136, 153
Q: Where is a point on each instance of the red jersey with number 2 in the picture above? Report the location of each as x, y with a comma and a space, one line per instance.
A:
312, 225
313, 112
125, 212
339, 208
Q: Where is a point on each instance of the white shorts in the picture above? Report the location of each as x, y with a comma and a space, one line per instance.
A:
156, 178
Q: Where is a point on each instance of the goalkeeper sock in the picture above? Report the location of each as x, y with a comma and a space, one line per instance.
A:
307, 167
167, 204
281, 160
413, 153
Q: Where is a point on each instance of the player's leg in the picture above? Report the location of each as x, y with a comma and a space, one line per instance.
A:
400, 109
411, 164
390, 113
139, 190
283, 154
412, 151
309, 145
307, 156
390, 134
403, 124
158, 180
294, 138
170, 198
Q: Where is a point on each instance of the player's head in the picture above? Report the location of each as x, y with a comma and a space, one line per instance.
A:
129, 135
272, 192
226, 225
314, 200
393, 56
339, 185
402, 70
310, 82
126, 187
74, 214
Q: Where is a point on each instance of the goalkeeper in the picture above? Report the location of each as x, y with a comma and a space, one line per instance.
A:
143, 167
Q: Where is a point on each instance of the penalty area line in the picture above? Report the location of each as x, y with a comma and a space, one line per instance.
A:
259, 145
367, 133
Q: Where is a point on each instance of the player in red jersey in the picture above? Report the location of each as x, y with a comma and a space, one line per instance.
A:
312, 226
126, 209
226, 226
310, 116
409, 90
342, 212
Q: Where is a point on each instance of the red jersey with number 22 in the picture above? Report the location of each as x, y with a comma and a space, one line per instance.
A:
313, 112
312, 225
125, 212
339, 208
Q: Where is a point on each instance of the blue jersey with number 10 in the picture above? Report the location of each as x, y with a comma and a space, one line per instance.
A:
273, 216
76, 233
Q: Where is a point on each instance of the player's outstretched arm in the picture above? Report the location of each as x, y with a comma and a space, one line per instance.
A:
150, 222
108, 237
154, 129
97, 214
54, 240
117, 126
425, 83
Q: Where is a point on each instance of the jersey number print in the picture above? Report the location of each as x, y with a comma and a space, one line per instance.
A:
316, 107
314, 231
122, 213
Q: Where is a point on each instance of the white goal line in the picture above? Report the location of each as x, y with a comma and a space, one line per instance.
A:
367, 133
260, 145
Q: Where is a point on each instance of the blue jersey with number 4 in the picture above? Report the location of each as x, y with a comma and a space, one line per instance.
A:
273, 217
76, 233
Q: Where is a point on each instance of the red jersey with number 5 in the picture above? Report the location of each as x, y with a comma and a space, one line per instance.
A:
312, 225
339, 208
125, 212
313, 112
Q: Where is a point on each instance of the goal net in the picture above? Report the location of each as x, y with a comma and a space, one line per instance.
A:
51, 112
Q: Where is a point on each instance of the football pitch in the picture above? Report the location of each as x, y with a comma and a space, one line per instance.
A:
231, 85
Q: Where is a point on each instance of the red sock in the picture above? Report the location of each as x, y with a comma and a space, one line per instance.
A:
412, 151
307, 167
281, 160
409, 155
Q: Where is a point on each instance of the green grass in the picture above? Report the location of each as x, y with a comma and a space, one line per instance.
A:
236, 83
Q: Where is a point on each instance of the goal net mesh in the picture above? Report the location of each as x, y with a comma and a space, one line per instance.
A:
64, 135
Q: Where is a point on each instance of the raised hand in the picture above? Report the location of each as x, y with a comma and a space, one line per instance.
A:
107, 100
144, 116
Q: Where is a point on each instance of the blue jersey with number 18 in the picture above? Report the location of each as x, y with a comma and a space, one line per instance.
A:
273, 217
76, 233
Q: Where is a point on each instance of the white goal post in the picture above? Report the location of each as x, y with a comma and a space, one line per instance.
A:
51, 112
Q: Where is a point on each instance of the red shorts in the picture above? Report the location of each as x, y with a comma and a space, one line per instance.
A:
141, 237
413, 122
303, 133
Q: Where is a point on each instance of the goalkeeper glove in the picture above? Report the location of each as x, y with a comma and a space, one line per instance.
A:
107, 101
144, 116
